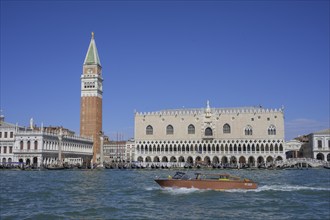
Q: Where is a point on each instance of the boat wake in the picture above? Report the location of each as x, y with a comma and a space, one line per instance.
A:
283, 188
286, 188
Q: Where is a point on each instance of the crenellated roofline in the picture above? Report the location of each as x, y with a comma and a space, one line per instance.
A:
214, 111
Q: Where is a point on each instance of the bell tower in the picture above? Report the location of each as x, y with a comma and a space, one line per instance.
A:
91, 98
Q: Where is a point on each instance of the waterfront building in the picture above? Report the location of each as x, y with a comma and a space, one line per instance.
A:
119, 151
237, 136
130, 151
40, 146
91, 98
317, 145
7, 140
114, 151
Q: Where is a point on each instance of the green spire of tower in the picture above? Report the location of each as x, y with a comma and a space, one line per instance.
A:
92, 56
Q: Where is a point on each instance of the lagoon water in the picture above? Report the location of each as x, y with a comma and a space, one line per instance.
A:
132, 194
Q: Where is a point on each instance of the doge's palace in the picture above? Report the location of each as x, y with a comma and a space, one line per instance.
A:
235, 136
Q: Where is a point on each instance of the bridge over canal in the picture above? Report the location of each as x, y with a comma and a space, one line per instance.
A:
301, 162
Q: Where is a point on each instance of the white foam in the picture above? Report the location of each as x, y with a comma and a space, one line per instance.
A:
152, 188
176, 191
288, 188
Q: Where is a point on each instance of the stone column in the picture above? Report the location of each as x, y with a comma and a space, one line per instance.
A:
60, 138
101, 151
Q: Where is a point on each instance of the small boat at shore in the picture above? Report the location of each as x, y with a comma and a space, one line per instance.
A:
55, 167
326, 166
207, 181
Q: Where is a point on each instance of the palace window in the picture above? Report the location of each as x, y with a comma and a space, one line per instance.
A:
10, 149
248, 130
36, 145
272, 130
11, 134
226, 129
22, 145
208, 132
319, 143
169, 129
191, 129
4, 149
28, 145
149, 130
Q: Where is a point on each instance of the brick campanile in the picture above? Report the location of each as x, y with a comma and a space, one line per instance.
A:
91, 98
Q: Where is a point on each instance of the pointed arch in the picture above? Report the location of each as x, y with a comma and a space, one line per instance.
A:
272, 130
198, 159
270, 159
242, 160
251, 161
207, 160
248, 130
173, 159
208, 132
169, 130
149, 130
260, 160
164, 159
156, 159
191, 129
215, 160
224, 160
233, 160
190, 160
226, 129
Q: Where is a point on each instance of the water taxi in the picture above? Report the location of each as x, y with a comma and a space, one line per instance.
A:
207, 181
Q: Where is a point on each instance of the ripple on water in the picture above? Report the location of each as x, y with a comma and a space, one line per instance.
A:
134, 195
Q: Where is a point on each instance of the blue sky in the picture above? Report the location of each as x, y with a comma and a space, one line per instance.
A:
163, 55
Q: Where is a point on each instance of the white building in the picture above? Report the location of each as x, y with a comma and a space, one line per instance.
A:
248, 135
7, 140
114, 151
130, 151
41, 146
318, 145
119, 151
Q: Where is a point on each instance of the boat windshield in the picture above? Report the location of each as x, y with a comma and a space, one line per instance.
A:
181, 175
